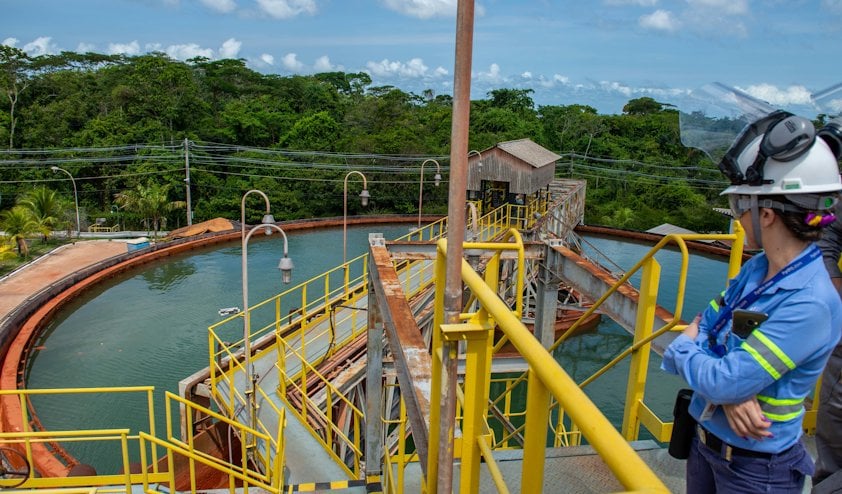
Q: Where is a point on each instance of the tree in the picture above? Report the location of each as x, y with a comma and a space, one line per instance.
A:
151, 202
318, 132
14, 79
45, 207
642, 106
18, 224
516, 100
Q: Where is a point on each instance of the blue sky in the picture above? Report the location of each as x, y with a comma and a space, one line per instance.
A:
596, 52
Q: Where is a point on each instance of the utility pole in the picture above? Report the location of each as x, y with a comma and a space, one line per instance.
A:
187, 180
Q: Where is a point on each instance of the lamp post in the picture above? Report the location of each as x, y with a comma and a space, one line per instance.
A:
267, 218
286, 276
364, 197
75, 197
437, 179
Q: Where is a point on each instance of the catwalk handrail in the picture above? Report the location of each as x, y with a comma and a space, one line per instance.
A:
547, 378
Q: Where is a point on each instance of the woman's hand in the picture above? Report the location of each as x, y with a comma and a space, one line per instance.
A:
747, 419
692, 329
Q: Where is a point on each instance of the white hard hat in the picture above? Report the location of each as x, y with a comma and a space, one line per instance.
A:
814, 172
780, 155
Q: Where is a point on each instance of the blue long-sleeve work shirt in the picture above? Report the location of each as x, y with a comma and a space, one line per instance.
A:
778, 363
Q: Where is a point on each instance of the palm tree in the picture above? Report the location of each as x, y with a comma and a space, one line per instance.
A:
151, 202
47, 208
19, 224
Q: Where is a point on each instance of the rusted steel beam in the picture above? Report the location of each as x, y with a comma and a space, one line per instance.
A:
407, 346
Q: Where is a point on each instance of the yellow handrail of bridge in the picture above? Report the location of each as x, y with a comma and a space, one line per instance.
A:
546, 378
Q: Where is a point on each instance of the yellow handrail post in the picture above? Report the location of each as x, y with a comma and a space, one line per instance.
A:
435, 377
535, 436
477, 366
636, 387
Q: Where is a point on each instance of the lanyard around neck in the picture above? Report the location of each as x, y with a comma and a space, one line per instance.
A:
812, 254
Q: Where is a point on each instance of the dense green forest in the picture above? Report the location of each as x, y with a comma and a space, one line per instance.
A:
127, 129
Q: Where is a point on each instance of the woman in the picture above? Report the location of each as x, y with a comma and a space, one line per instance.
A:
784, 186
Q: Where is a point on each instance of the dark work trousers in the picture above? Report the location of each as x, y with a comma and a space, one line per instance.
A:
829, 419
708, 471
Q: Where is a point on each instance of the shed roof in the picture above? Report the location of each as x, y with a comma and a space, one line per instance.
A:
530, 152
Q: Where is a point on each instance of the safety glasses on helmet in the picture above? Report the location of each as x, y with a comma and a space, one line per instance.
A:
785, 137
740, 203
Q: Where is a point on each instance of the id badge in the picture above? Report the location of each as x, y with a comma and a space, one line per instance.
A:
707, 412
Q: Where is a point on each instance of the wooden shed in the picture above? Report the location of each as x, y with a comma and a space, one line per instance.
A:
510, 171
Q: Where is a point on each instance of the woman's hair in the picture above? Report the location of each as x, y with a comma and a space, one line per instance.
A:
801, 222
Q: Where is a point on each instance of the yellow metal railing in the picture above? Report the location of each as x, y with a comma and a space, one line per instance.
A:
103, 229
546, 379
303, 317
144, 445
305, 392
41, 445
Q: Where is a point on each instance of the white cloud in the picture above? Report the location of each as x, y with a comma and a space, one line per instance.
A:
660, 20
291, 63
492, 76
130, 49
286, 9
440, 72
223, 6
323, 64
42, 45
793, 95
415, 68
186, 52
561, 79
85, 48
230, 48
11, 41
616, 87
423, 9
267, 59
526, 75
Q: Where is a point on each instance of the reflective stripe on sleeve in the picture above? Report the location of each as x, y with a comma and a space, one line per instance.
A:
717, 302
767, 354
781, 409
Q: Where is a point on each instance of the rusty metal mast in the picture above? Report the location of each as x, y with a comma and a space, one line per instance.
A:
455, 229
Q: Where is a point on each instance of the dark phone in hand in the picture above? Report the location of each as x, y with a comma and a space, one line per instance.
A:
745, 321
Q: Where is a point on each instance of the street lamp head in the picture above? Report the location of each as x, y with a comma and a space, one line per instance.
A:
268, 219
364, 196
55, 168
286, 270
437, 179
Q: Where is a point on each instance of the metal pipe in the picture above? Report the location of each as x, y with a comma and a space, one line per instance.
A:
455, 226
421, 185
243, 210
249, 373
75, 197
364, 196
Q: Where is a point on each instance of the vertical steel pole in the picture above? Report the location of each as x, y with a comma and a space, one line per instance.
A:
456, 234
